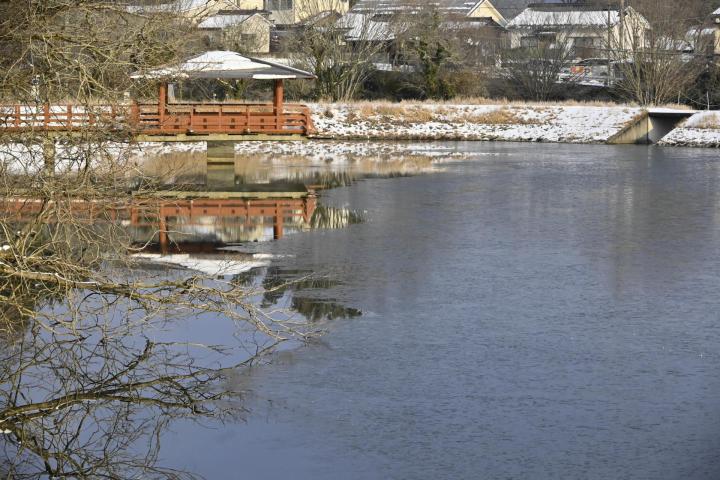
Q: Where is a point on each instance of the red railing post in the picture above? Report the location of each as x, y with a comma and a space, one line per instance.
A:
162, 102
46, 115
135, 114
17, 116
69, 117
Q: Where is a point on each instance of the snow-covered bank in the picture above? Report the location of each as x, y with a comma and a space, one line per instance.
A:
407, 121
700, 130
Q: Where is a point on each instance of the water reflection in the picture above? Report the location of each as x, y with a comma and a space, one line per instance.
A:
279, 282
204, 224
315, 164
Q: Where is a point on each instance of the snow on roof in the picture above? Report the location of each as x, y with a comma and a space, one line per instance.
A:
178, 6
225, 64
181, 6
531, 17
362, 26
462, 7
221, 21
716, 12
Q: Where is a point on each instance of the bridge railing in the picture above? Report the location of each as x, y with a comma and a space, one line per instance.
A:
147, 118
60, 117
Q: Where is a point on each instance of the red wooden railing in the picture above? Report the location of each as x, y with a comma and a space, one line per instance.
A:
176, 118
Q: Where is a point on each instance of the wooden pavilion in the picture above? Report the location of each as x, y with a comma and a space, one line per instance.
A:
193, 118
167, 120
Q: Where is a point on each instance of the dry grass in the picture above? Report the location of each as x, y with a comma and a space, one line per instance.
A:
708, 122
501, 116
383, 105
396, 112
413, 113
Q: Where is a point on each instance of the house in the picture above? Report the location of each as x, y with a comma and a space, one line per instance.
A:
196, 9
453, 9
287, 13
589, 31
706, 38
479, 25
245, 31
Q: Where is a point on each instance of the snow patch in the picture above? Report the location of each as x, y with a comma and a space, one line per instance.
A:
208, 266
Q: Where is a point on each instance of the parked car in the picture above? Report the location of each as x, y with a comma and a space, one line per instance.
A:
591, 71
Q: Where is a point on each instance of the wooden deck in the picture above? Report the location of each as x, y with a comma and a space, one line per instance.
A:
149, 119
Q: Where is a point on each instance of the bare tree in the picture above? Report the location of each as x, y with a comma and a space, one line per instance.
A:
341, 52
89, 372
540, 47
658, 58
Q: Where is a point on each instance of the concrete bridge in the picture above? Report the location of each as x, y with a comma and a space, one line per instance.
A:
651, 126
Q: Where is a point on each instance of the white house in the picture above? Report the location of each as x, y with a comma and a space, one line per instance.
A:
588, 31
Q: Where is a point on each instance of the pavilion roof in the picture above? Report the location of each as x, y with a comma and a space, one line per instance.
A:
226, 65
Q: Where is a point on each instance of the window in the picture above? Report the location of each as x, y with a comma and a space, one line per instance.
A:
273, 5
529, 42
584, 47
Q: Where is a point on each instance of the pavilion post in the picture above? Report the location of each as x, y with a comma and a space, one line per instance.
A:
278, 103
162, 102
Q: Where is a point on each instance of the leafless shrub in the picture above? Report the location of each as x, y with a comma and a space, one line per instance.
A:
90, 372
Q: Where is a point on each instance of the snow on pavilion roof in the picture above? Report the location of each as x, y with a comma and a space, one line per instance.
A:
226, 65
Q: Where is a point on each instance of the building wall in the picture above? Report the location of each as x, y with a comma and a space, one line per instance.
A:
250, 37
488, 10
290, 12
250, 4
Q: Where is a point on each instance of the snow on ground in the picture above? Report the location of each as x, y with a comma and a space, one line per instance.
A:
700, 130
567, 124
213, 266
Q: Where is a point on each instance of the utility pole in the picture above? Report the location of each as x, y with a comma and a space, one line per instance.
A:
622, 26
609, 45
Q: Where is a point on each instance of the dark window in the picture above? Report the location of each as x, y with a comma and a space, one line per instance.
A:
278, 5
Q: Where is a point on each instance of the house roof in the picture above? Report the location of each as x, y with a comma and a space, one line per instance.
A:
226, 65
363, 26
538, 17
180, 6
460, 7
568, 15
511, 8
225, 20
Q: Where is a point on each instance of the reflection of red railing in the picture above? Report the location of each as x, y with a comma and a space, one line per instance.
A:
149, 119
156, 212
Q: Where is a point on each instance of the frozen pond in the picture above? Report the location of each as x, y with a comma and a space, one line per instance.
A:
533, 311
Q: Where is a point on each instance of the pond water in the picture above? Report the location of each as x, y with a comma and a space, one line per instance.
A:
532, 311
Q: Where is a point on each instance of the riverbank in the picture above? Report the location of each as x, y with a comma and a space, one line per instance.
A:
513, 123
700, 130
564, 123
